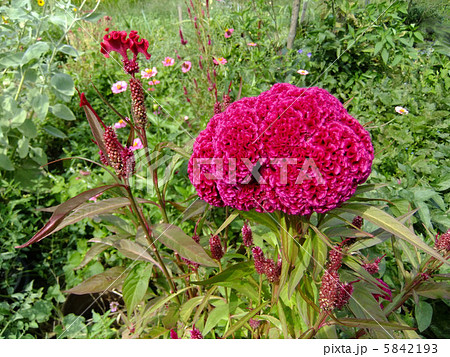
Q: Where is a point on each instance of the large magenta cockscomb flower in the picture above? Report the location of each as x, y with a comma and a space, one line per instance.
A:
291, 149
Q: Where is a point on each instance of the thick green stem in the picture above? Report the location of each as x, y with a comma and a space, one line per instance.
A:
148, 235
154, 173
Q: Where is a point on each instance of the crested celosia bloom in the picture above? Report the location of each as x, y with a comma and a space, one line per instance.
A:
216, 247
251, 44
219, 60
236, 159
401, 110
149, 72
122, 42
119, 87
442, 243
120, 124
303, 72
186, 66
247, 235
137, 144
168, 61
196, 334
228, 33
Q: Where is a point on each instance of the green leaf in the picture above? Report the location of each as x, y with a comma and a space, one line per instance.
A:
194, 210
63, 84
35, 51
301, 264
369, 187
378, 47
106, 281
233, 273
390, 224
28, 129
95, 250
5, 163
68, 50
265, 219
55, 132
22, 147
62, 111
424, 314
40, 105
227, 222
215, 316
135, 286
189, 306
372, 324
385, 55
11, 60
174, 238
243, 320
434, 290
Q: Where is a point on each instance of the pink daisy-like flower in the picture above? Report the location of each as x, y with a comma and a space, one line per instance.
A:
120, 124
149, 72
219, 60
94, 198
154, 82
303, 72
168, 61
228, 33
401, 110
137, 144
251, 44
114, 305
119, 87
186, 66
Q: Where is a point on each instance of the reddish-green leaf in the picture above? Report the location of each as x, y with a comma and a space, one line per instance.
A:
106, 281
62, 211
174, 238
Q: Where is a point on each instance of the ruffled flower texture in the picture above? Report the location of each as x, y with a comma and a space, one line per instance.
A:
285, 122
121, 42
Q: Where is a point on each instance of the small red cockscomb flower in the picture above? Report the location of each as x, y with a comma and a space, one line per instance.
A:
121, 42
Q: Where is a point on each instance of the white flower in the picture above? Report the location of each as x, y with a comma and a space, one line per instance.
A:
401, 110
303, 72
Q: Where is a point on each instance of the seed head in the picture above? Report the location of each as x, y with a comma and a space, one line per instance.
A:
247, 235
258, 257
196, 334
138, 103
216, 247
442, 243
358, 222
